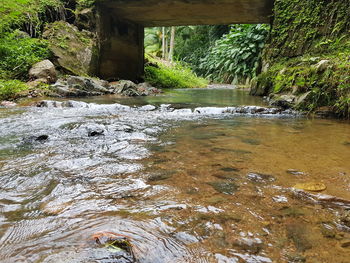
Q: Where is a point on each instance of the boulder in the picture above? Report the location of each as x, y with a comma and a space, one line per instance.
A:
146, 89
43, 70
125, 87
80, 87
86, 19
283, 101
75, 51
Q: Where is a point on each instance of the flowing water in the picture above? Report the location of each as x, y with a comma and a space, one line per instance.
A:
185, 185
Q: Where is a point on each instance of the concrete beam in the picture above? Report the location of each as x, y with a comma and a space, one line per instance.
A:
191, 12
121, 26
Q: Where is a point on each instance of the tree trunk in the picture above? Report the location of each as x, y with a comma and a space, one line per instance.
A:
172, 44
163, 43
166, 45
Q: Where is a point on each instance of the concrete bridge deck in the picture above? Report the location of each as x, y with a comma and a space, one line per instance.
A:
122, 22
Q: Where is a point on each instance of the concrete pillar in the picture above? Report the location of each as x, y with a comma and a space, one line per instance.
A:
121, 47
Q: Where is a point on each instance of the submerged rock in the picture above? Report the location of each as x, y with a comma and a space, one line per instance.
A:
253, 245
228, 188
299, 234
119, 245
260, 178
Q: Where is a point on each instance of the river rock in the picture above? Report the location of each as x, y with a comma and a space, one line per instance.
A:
345, 243
284, 101
75, 50
80, 87
44, 70
6, 103
125, 87
260, 178
253, 245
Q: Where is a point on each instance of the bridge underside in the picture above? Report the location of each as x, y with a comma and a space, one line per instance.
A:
122, 22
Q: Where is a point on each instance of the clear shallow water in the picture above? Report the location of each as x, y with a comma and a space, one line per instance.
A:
182, 185
186, 98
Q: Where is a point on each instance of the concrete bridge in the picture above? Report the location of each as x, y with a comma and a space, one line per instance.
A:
121, 26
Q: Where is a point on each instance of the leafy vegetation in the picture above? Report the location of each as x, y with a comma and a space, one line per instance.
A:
304, 33
18, 53
236, 56
28, 14
10, 89
193, 42
175, 75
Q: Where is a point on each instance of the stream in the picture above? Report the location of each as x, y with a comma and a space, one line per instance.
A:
185, 178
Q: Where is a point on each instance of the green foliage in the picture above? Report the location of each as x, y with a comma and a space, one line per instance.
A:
26, 14
193, 42
236, 56
303, 33
10, 89
19, 53
172, 76
330, 87
300, 27
153, 41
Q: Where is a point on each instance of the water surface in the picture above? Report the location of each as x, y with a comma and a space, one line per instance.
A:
185, 187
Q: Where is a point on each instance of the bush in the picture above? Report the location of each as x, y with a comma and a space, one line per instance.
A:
236, 56
18, 54
11, 89
172, 76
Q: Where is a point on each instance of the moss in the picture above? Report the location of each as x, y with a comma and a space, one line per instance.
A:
305, 32
26, 14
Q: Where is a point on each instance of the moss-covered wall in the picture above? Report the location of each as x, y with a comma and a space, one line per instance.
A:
308, 55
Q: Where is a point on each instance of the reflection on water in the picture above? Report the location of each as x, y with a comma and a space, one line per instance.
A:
184, 187
185, 98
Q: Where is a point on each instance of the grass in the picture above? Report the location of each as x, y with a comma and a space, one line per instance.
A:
166, 75
11, 89
19, 53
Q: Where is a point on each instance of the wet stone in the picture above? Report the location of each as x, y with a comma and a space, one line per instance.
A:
253, 245
294, 172
94, 133
328, 231
292, 212
228, 188
229, 169
161, 176
118, 246
296, 258
42, 138
345, 218
260, 178
345, 243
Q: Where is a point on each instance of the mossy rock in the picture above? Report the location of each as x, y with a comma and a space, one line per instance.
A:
75, 50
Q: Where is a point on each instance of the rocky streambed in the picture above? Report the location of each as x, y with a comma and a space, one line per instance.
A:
193, 180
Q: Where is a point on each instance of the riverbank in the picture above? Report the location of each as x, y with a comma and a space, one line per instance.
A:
306, 61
